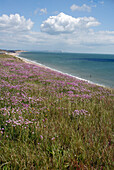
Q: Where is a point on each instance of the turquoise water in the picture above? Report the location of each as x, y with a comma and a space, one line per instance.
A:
98, 68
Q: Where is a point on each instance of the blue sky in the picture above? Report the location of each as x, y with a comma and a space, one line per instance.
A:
66, 25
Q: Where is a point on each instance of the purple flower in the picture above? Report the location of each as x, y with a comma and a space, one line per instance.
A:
41, 137
70, 92
53, 138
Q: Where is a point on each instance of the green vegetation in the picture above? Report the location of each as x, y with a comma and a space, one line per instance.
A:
52, 121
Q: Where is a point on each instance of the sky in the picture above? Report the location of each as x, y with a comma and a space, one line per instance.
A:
78, 26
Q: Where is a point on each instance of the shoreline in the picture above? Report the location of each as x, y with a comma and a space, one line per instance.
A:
41, 65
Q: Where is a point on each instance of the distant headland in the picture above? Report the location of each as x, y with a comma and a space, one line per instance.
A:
4, 51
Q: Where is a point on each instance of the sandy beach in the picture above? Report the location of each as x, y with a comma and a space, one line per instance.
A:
26, 60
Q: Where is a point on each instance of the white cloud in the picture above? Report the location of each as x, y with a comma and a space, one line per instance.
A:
91, 38
107, 32
84, 7
14, 23
78, 35
83, 40
63, 23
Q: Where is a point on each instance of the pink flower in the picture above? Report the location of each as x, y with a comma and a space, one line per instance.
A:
70, 92
41, 137
53, 138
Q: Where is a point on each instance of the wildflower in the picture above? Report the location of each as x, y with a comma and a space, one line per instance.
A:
13, 125
70, 92
41, 137
80, 112
53, 138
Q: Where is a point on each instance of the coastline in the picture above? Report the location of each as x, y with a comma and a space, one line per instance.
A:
41, 65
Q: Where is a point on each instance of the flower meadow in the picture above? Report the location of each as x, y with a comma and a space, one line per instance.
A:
49, 120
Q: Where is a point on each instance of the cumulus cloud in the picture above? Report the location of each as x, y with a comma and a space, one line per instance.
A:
84, 7
63, 23
14, 23
77, 34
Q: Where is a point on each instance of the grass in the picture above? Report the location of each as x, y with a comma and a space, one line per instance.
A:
52, 121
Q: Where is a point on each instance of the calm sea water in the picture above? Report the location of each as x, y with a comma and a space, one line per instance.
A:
98, 68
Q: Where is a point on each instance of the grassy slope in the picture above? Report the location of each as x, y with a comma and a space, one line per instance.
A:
52, 121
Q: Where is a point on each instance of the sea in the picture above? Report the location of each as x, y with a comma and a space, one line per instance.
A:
95, 68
